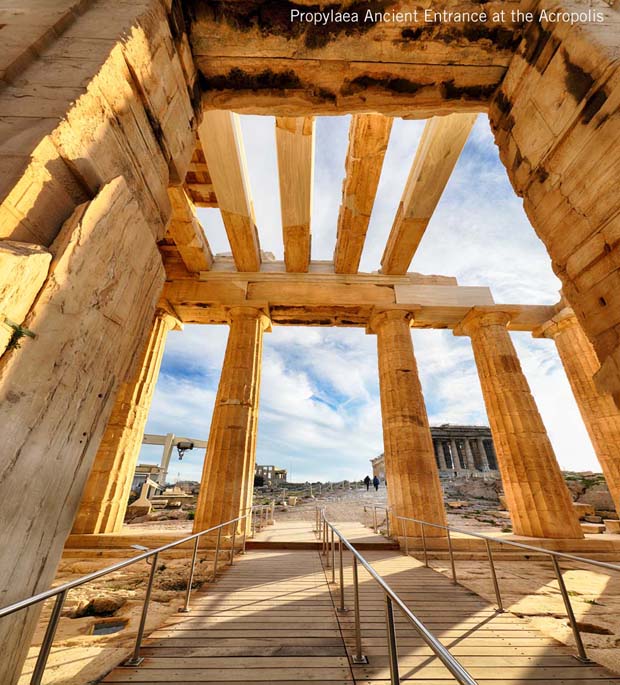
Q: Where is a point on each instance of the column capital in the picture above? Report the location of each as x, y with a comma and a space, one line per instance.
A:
247, 312
478, 317
564, 319
170, 320
379, 317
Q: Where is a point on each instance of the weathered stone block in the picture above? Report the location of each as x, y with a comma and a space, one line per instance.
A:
612, 525
592, 528
56, 393
23, 270
583, 510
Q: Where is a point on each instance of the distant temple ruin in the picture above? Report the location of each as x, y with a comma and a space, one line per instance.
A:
458, 449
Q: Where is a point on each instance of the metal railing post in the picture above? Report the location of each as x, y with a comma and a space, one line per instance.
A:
498, 596
581, 650
232, 545
451, 557
374, 517
327, 550
424, 545
341, 609
387, 522
136, 659
358, 657
185, 608
391, 636
217, 553
407, 537
245, 531
333, 558
46, 645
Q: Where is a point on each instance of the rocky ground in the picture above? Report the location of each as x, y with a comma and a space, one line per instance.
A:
473, 501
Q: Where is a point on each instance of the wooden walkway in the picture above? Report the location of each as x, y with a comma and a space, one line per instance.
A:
271, 619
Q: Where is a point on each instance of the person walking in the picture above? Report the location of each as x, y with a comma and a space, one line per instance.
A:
367, 483
375, 482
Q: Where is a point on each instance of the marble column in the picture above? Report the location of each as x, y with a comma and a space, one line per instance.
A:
538, 499
469, 456
228, 475
484, 459
441, 457
456, 459
413, 485
598, 410
104, 501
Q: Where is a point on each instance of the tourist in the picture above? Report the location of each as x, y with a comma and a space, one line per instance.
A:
367, 482
375, 482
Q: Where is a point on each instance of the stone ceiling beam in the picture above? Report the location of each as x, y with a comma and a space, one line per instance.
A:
187, 233
222, 144
198, 184
329, 299
437, 154
368, 140
254, 59
295, 147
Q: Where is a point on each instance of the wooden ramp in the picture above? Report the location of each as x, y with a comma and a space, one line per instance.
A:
271, 619
495, 648
300, 535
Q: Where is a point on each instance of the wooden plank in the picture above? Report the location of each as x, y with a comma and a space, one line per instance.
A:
187, 232
222, 144
295, 147
271, 619
368, 140
439, 149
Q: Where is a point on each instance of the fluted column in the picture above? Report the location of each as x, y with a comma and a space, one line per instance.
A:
456, 459
441, 457
484, 460
537, 496
469, 456
599, 411
413, 485
228, 475
104, 500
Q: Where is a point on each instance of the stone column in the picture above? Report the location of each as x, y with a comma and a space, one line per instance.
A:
104, 501
228, 475
537, 496
440, 455
469, 456
598, 410
484, 460
456, 460
413, 485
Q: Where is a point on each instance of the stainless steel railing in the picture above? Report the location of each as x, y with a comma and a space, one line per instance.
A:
262, 515
150, 556
328, 533
375, 519
581, 651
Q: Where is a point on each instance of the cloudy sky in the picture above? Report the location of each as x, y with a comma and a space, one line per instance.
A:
320, 415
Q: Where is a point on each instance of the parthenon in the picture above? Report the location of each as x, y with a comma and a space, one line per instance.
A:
458, 449
120, 117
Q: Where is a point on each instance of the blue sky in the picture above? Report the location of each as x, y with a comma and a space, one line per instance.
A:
320, 413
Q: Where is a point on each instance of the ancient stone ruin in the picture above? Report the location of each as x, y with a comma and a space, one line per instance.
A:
120, 117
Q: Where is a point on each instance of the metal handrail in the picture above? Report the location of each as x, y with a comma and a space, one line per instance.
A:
391, 598
61, 591
581, 651
375, 523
